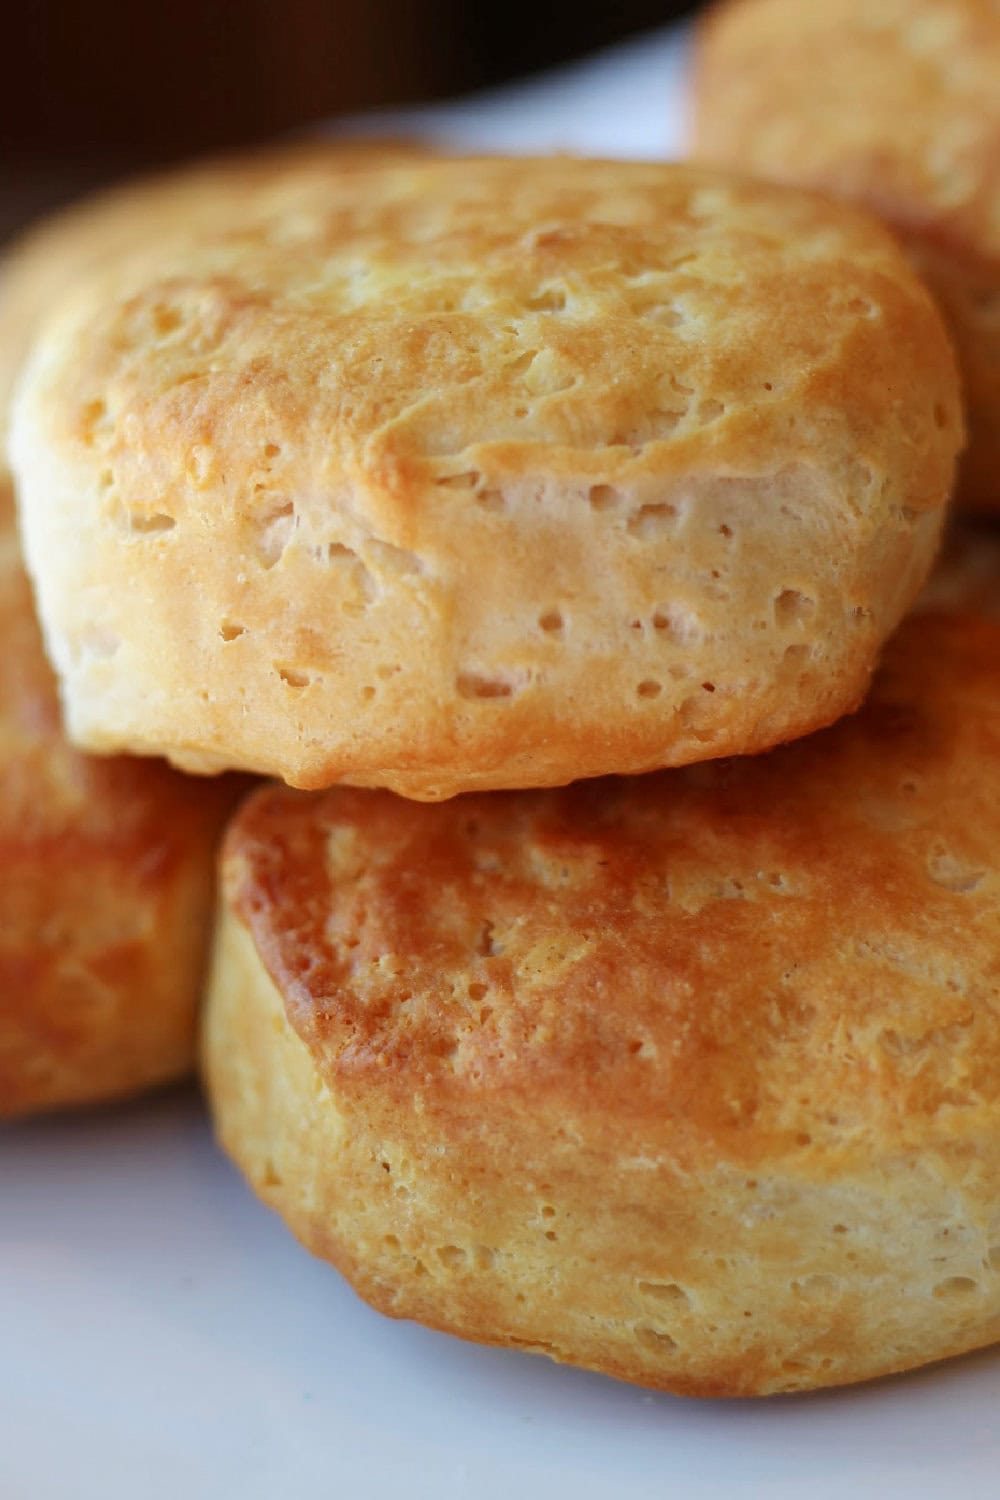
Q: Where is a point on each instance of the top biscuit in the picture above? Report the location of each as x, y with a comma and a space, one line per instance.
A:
76, 241
894, 104
457, 474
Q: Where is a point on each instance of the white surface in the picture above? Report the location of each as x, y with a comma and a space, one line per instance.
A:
163, 1338
628, 101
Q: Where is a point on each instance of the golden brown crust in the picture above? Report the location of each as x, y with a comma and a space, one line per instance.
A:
105, 892
62, 250
458, 475
694, 1079
894, 104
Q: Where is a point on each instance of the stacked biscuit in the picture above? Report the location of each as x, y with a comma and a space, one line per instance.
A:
893, 104
516, 514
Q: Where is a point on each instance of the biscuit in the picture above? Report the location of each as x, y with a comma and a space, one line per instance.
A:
692, 1079
459, 475
896, 105
106, 876
77, 241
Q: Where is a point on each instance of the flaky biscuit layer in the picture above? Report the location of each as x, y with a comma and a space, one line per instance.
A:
448, 475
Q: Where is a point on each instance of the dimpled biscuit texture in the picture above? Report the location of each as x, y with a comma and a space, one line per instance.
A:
472, 474
69, 245
693, 1079
895, 104
106, 871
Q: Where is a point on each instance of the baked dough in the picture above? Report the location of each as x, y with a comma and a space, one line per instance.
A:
451, 475
106, 876
693, 1079
66, 247
895, 104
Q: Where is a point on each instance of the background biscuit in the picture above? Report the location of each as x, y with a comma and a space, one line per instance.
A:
895, 104
966, 575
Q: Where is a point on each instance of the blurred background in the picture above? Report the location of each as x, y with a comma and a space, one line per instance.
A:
92, 91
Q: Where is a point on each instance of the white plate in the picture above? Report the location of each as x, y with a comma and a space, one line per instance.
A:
163, 1337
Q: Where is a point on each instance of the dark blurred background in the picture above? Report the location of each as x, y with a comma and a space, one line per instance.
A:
94, 90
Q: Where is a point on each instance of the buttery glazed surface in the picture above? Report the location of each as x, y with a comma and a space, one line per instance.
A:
450, 475
896, 105
692, 1078
105, 892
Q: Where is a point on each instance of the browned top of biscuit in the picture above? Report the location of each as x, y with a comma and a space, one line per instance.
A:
55, 255
755, 958
390, 328
893, 102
